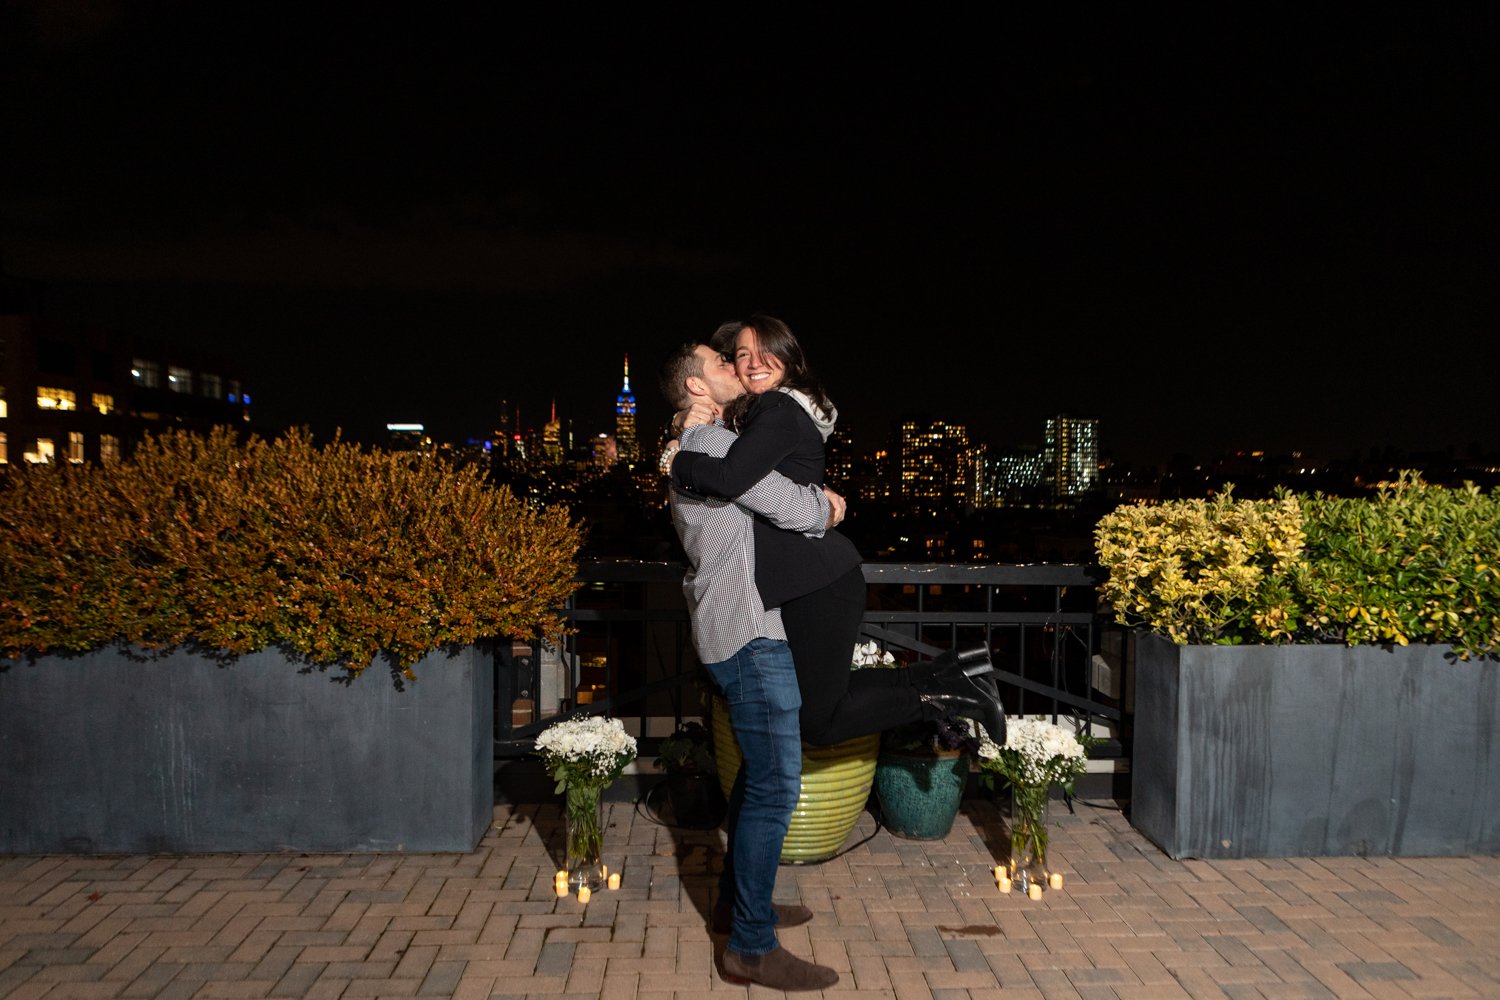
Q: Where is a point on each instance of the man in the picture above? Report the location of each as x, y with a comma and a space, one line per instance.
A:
744, 649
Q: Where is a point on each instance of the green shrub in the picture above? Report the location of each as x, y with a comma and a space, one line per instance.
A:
1414, 563
330, 553
1203, 571
1420, 563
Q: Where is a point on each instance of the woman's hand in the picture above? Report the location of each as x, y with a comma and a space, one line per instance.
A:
836, 507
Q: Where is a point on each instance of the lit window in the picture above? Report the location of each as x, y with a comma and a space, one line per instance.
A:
44, 452
75, 447
213, 386
147, 374
49, 398
109, 448
179, 379
103, 402
234, 390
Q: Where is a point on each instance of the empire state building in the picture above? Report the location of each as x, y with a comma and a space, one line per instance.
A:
625, 439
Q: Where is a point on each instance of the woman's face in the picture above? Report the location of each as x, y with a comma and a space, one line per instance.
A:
757, 372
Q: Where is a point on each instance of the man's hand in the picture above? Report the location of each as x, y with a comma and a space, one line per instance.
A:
836, 507
701, 412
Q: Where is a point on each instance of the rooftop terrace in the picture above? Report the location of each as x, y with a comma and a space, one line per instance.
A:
897, 918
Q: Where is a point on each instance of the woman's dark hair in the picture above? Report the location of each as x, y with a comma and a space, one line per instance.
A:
777, 339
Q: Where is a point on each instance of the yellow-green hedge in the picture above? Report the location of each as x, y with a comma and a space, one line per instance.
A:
331, 553
1414, 563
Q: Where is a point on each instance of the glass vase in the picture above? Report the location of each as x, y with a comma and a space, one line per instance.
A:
1028, 835
585, 836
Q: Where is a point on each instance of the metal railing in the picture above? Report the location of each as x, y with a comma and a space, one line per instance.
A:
629, 652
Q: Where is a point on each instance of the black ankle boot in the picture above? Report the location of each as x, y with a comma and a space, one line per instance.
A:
955, 692
971, 662
976, 661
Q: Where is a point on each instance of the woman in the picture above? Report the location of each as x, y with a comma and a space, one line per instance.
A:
783, 421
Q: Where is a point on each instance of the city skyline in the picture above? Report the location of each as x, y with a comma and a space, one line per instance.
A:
1150, 221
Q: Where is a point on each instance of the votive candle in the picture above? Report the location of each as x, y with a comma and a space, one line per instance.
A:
1005, 883
584, 893
1001, 872
562, 888
614, 880
562, 874
1035, 892
1055, 880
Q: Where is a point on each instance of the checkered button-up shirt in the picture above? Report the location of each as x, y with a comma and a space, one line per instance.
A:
719, 538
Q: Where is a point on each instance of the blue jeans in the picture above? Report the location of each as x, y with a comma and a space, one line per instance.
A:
760, 684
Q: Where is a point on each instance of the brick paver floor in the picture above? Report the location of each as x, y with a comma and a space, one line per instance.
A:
897, 919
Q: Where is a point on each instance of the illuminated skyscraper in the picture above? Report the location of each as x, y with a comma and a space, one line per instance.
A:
1015, 478
936, 463
552, 438
625, 440
1072, 456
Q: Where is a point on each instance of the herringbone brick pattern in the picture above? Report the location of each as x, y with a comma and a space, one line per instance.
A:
897, 918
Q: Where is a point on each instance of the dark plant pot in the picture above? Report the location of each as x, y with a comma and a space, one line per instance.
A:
697, 801
919, 793
175, 753
1302, 751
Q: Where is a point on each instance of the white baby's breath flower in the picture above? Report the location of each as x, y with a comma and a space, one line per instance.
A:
1036, 752
592, 749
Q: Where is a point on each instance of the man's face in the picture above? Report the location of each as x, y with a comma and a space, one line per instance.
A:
718, 376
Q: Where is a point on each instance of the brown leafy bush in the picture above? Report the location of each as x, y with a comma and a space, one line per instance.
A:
330, 553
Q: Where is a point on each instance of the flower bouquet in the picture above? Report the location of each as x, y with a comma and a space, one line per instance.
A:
584, 756
1037, 755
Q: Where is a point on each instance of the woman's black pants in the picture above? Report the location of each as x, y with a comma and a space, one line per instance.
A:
838, 703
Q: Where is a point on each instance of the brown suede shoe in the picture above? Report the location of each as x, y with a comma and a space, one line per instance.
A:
779, 970
787, 915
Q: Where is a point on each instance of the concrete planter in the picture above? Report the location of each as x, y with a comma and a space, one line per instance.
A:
1299, 751
109, 754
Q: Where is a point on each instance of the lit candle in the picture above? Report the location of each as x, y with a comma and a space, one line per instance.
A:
562, 888
1035, 892
562, 874
1005, 883
603, 870
1055, 880
1001, 872
614, 880
584, 893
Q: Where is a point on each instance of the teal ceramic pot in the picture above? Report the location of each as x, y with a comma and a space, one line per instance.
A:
919, 793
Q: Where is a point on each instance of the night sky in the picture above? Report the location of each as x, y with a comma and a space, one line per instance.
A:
1212, 235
